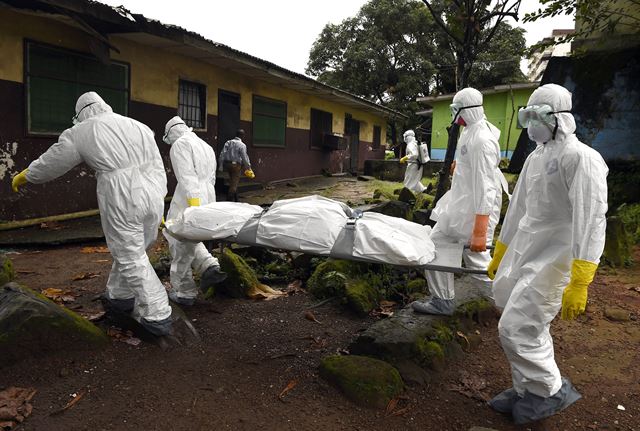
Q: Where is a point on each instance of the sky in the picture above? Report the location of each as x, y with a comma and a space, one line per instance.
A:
280, 31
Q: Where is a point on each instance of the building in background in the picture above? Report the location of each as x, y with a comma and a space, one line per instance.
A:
501, 104
538, 61
55, 50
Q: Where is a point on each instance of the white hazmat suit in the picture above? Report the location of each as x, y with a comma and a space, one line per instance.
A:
475, 190
131, 189
556, 216
194, 164
413, 174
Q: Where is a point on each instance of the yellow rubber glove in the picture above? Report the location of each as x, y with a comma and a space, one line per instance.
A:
193, 202
574, 297
19, 180
161, 225
249, 174
498, 252
479, 235
404, 159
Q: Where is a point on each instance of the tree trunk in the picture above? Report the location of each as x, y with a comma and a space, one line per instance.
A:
443, 175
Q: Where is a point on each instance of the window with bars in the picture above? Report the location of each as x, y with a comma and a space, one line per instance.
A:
192, 104
269, 122
56, 77
377, 131
321, 123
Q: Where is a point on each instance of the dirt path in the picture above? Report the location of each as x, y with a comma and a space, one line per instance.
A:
252, 350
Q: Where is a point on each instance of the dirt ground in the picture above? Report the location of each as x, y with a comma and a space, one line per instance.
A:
251, 351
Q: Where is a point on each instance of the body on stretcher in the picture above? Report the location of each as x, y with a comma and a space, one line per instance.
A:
323, 227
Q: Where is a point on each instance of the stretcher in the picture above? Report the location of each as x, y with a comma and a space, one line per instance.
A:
323, 227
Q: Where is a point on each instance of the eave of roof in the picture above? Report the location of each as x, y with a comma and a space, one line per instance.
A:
485, 91
120, 22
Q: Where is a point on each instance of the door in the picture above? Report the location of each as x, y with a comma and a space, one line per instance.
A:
228, 116
352, 131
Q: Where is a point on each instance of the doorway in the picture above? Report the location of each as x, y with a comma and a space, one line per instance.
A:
228, 116
352, 132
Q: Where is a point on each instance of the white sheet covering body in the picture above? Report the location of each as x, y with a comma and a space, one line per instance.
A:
311, 224
217, 220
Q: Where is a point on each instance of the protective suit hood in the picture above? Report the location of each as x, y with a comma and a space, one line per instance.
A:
408, 136
89, 105
174, 129
470, 97
559, 98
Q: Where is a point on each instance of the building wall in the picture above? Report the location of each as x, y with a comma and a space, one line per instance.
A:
501, 110
154, 77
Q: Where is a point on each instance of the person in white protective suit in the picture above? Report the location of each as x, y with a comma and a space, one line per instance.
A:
549, 248
131, 189
413, 174
194, 164
469, 212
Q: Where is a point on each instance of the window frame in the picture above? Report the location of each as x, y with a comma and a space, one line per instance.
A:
204, 102
253, 118
311, 144
25, 80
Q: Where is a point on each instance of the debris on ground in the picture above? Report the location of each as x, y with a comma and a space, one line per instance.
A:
310, 316
75, 398
124, 336
94, 250
471, 386
292, 384
15, 406
58, 296
85, 276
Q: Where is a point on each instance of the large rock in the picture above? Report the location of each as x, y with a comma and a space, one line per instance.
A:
393, 209
355, 284
407, 196
422, 217
7, 272
33, 325
241, 281
365, 381
426, 340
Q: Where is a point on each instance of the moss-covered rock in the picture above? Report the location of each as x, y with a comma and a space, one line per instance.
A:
423, 201
418, 285
429, 353
383, 194
7, 273
356, 284
407, 196
365, 381
241, 281
361, 297
33, 325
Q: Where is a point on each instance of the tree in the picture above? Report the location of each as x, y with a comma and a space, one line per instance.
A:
470, 26
383, 54
592, 17
392, 52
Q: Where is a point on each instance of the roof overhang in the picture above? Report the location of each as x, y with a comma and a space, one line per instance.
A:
104, 20
485, 91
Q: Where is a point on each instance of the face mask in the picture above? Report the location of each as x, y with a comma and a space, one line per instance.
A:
74, 119
408, 139
540, 132
539, 118
456, 108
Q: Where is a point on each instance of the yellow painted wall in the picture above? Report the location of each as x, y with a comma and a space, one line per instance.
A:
155, 74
